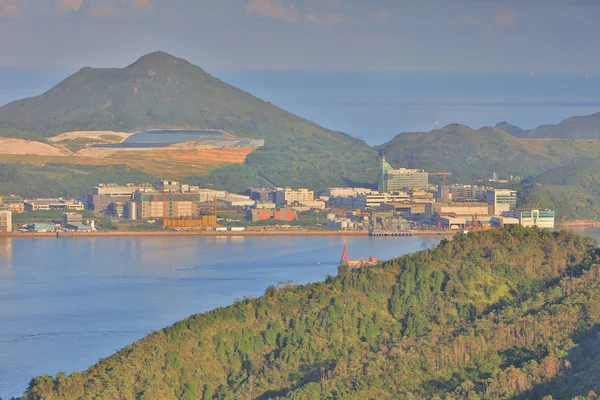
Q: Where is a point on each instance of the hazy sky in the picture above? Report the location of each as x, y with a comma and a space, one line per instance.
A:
454, 35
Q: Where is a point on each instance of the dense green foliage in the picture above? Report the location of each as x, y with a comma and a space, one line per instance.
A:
489, 315
473, 154
581, 127
160, 90
14, 133
29, 217
53, 180
572, 191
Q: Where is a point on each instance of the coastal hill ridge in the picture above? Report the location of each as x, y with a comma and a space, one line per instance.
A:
505, 313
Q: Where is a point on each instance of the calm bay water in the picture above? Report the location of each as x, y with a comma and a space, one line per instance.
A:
64, 303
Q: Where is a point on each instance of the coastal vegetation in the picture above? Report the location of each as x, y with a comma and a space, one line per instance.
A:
498, 314
573, 191
475, 154
579, 127
55, 180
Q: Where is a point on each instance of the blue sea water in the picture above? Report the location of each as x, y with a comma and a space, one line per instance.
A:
378, 106
65, 303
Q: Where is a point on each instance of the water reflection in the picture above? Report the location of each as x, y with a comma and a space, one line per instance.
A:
6, 257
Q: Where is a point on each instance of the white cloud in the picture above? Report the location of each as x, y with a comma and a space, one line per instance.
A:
334, 19
107, 9
67, 6
272, 9
146, 5
9, 9
382, 15
506, 19
312, 18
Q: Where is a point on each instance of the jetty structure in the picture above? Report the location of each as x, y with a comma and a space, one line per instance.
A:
356, 263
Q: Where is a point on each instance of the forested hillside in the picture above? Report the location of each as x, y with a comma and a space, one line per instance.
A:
56, 180
490, 315
473, 154
580, 127
573, 191
160, 90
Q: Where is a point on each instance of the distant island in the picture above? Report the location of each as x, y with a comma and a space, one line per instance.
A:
507, 313
160, 91
72, 137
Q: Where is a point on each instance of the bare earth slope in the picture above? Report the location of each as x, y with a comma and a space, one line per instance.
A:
20, 146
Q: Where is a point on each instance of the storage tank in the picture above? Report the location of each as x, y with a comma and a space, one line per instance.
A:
132, 210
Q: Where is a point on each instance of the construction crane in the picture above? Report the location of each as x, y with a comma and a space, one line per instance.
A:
443, 174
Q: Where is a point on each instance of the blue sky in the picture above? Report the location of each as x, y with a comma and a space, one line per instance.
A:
358, 35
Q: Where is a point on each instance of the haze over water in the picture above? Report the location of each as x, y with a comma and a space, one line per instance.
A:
377, 106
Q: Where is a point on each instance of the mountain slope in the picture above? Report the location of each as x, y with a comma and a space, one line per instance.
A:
160, 90
56, 180
487, 315
470, 154
580, 127
573, 191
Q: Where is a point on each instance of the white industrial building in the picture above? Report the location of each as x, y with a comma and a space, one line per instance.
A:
501, 200
533, 217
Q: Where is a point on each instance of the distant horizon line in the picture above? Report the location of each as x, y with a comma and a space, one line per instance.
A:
591, 74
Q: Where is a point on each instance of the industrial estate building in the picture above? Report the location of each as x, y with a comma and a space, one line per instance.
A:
6, 220
74, 221
501, 200
282, 214
391, 179
533, 217
467, 193
105, 194
346, 192
262, 195
288, 196
375, 199
53, 204
15, 203
405, 198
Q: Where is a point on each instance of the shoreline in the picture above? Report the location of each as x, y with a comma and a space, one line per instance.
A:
290, 232
579, 224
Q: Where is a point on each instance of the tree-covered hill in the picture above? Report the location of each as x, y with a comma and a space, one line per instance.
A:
160, 90
573, 191
580, 127
472, 154
56, 180
490, 315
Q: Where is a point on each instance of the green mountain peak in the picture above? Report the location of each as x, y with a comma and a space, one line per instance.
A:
160, 90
